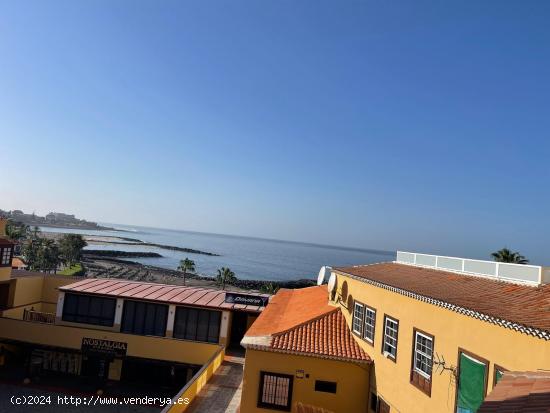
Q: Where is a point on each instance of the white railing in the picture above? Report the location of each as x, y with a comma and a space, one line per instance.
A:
516, 273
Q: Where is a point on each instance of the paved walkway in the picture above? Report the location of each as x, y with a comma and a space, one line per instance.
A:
222, 394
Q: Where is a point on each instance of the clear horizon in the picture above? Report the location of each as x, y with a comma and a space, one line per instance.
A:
420, 127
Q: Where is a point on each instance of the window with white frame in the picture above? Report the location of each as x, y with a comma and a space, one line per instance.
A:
391, 330
357, 317
370, 322
6, 256
423, 354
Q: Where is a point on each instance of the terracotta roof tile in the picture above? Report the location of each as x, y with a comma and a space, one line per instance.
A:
302, 322
327, 336
288, 308
519, 392
521, 304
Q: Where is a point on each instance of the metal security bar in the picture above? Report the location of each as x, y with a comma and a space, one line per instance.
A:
276, 391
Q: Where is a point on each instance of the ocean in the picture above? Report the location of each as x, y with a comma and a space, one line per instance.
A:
249, 258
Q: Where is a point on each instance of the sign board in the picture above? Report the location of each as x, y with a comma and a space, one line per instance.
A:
107, 347
245, 299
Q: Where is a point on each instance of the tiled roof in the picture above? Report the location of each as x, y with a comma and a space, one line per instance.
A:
519, 392
17, 262
289, 308
302, 322
520, 304
165, 293
327, 336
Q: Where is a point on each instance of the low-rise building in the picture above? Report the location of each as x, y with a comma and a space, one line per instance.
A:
439, 334
105, 331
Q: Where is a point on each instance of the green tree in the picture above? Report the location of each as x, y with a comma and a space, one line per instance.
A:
70, 247
506, 255
42, 255
269, 288
186, 265
225, 276
17, 231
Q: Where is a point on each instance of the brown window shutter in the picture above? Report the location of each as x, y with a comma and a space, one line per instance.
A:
383, 407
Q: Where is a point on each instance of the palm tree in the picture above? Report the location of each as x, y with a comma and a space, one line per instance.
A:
269, 288
506, 255
225, 276
186, 265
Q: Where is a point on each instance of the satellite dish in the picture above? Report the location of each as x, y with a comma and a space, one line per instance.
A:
323, 275
332, 283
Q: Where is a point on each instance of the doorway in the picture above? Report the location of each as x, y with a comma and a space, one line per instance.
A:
239, 326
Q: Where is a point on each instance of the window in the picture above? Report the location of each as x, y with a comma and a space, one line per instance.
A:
144, 318
389, 344
325, 386
6, 257
498, 373
357, 317
373, 401
275, 391
421, 372
383, 407
369, 325
196, 324
423, 349
89, 310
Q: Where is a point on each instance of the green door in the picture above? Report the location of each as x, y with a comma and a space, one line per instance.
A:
471, 384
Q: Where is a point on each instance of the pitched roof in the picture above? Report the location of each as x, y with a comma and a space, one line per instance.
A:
164, 293
17, 262
520, 304
327, 336
289, 308
519, 392
302, 322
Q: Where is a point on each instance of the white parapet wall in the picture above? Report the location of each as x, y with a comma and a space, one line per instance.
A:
515, 273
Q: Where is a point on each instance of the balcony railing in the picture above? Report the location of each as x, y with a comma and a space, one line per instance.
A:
38, 317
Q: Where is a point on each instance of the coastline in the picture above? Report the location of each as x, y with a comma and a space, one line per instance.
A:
107, 267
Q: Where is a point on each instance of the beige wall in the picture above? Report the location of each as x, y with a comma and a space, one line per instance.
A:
28, 290
507, 348
352, 381
157, 348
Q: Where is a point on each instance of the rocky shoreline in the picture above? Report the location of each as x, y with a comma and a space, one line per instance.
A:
120, 254
112, 267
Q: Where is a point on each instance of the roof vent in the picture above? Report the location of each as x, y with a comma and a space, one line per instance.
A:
514, 273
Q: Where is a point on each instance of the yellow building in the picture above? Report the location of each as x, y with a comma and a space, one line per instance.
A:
110, 330
300, 356
440, 333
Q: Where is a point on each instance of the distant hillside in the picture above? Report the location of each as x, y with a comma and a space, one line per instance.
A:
53, 219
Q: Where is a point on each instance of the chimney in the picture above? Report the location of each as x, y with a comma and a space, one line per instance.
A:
3, 222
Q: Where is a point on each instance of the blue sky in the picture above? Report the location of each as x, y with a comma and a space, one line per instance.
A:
412, 125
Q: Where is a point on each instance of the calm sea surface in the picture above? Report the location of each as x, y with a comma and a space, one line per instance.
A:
249, 258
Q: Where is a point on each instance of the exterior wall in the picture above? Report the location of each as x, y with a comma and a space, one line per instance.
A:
352, 381
391, 380
50, 288
157, 348
27, 290
188, 393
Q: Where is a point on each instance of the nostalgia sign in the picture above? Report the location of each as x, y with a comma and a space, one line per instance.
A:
245, 299
108, 347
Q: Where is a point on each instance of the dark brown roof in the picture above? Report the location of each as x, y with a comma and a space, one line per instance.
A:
524, 305
170, 294
519, 392
302, 322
